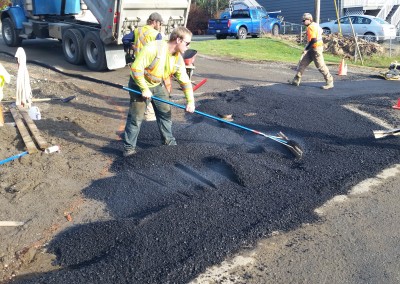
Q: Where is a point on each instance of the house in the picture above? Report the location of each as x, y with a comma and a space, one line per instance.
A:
293, 10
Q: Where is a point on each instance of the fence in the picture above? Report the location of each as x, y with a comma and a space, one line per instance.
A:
389, 48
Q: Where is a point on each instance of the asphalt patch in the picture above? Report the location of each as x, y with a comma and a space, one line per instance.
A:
180, 209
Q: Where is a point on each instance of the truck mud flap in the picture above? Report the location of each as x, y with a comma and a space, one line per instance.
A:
115, 56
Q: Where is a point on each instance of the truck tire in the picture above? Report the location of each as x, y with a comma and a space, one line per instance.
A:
93, 52
275, 30
242, 33
72, 44
10, 33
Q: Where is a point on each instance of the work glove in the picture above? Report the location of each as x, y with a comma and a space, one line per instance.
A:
147, 94
190, 107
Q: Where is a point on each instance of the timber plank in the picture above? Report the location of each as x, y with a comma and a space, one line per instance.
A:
30, 145
1, 115
37, 135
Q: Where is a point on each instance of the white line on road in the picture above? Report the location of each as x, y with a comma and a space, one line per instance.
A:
363, 187
369, 116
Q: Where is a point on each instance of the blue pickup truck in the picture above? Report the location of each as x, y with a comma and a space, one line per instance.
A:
244, 22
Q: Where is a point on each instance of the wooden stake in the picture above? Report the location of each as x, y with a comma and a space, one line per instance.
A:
357, 46
30, 145
37, 135
1, 115
10, 223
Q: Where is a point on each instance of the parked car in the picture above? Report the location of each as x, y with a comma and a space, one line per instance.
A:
251, 21
370, 27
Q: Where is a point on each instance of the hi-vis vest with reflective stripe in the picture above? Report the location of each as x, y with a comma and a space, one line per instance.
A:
144, 35
155, 64
315, 31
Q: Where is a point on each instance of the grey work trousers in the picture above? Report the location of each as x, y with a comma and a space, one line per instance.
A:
314, 54
135, 117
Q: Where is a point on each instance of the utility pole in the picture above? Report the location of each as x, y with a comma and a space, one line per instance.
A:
317, 10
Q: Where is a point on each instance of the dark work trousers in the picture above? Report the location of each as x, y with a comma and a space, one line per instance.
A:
135, 117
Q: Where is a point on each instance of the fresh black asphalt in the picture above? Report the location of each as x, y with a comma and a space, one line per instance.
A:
179, 209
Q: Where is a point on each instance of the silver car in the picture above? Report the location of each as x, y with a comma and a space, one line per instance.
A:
369, 27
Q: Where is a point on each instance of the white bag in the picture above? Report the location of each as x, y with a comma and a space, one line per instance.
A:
34, 113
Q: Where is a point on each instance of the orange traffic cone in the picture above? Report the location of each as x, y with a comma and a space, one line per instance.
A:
398, 105
342, 68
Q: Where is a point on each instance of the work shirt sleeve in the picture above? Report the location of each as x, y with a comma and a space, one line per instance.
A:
183, 80
142, 61
311, 43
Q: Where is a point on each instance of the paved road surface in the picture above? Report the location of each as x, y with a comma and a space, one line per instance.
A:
357, 235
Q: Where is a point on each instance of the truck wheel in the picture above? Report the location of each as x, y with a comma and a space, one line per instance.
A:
275, 30
242, 33
93, 52
10, 33
72, 44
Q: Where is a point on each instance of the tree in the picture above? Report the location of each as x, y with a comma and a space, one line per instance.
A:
211, 7
4, 4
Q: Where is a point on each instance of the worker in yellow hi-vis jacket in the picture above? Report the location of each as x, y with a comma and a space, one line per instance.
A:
142, 36
4, 78
147, 33
158, 60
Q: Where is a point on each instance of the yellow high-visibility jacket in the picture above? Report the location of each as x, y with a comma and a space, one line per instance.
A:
144, 35
4, 78
155, 64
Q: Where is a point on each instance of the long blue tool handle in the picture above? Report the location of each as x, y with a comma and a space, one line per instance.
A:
275, 138
13, 158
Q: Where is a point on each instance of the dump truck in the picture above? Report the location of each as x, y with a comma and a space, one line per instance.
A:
91, 31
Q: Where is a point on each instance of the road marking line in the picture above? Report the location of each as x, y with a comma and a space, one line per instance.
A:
361, 188
380, 178
369, 116
222, 271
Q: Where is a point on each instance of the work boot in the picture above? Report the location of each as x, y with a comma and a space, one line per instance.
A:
129, 152
171, 142
296, 81
328, 85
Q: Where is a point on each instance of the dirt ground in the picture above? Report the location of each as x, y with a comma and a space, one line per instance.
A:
43, 190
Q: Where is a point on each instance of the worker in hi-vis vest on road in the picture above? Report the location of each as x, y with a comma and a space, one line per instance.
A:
313, 52
143, 35
158, 60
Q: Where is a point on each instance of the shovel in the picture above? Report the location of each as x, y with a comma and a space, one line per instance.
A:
384, 133
66, 100
281, 138
301, 58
